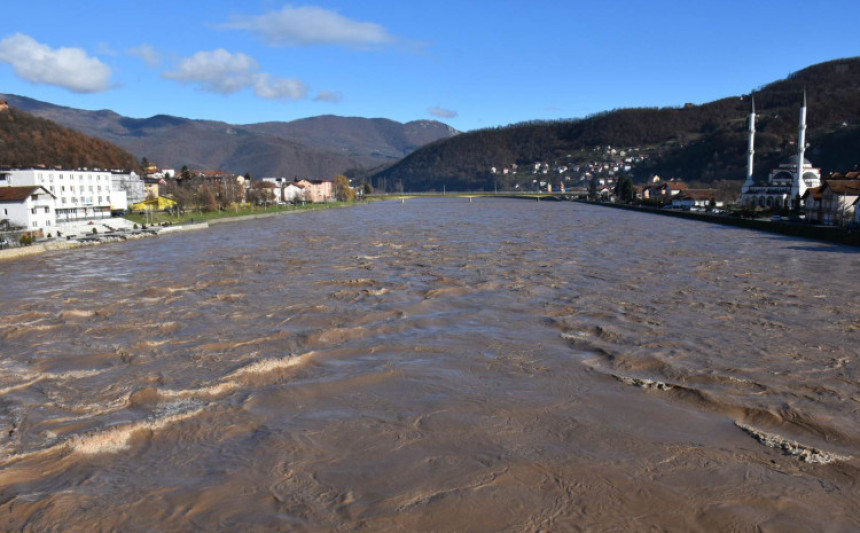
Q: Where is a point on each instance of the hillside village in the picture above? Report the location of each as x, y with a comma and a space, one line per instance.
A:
603, 163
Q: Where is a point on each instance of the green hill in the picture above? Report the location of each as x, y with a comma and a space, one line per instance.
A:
26, 140
705, 143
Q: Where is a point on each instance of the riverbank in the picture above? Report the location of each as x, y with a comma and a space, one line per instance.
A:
791, 229
161, 224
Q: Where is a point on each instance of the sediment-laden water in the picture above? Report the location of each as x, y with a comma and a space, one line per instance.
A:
436, 365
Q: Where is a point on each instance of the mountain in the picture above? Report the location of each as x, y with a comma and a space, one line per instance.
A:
318, 147
26, 140
703, 143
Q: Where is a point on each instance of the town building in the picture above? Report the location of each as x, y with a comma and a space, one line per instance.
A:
28, 206
834, 203
786, 184
317, 191
697, 199
78, 194
131, 184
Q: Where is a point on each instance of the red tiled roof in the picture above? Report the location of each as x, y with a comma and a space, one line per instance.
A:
814, 192
17, 194
698, 194
849, 187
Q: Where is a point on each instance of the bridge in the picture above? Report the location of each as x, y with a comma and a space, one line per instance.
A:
572, 194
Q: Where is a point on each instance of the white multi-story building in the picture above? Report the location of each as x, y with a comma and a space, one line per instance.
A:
130, 184
78, 194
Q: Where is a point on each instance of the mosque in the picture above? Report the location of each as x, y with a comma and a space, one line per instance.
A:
787, 183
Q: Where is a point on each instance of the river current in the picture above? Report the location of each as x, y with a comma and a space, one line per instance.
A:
435, 365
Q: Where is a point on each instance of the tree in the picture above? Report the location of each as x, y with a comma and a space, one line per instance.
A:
342, 191
207, 199
624, 190
592, 189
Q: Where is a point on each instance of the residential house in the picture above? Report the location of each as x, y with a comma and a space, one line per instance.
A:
812, 204
838, 199
293, 193
317, 191
665, 190
28, 206
696, 198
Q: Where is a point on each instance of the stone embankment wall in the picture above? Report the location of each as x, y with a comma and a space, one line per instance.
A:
793, 229
39, 248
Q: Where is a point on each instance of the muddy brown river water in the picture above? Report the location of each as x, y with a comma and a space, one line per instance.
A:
438, 365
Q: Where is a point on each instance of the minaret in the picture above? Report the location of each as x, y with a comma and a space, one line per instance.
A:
749, 182
799, 186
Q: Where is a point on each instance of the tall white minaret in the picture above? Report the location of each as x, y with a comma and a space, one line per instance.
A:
799, 186
750, 155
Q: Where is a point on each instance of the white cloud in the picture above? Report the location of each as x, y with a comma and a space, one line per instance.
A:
309, 25
442, 113
266, 86
219, 71
332, 97
70, 68
147, 53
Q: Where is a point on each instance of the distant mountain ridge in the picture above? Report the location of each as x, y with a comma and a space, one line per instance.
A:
704, 143
317, 147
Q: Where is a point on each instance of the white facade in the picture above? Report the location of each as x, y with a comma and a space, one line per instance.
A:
30, 207
131, 185
293, 193
79, 194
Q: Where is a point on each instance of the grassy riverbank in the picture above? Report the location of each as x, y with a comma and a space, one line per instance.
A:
158, 218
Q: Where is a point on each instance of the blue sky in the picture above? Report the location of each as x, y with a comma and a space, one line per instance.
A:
469, 64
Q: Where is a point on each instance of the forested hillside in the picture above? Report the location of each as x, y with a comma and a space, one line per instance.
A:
26, 140
704, 143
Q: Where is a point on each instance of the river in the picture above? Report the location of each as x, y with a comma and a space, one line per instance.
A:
435, 365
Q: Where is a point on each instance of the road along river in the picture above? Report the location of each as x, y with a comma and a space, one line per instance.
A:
436, 365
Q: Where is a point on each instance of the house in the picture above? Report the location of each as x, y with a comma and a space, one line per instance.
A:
838, 199
663, 190
29, 206
317, 191
812, 204
293, 193
696, 198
